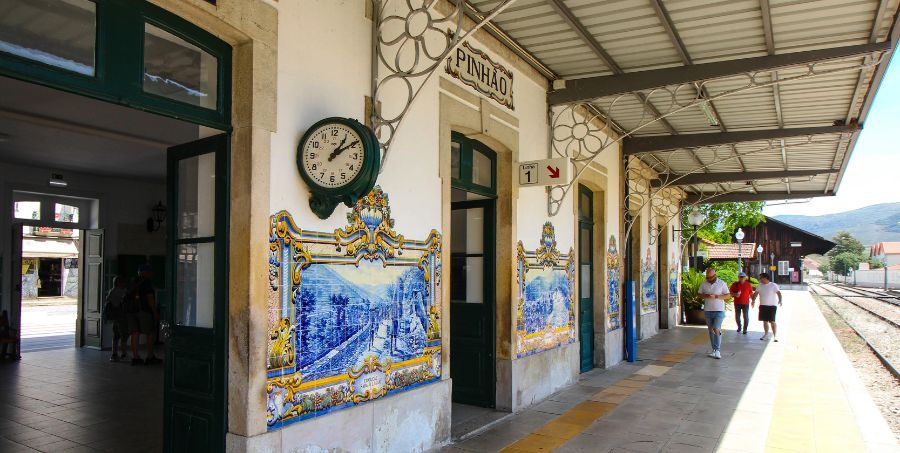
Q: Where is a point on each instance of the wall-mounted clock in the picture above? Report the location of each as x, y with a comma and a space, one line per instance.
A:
339, 159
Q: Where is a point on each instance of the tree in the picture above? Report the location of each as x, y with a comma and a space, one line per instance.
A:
723, 219
846, 243
847, 253
844, 262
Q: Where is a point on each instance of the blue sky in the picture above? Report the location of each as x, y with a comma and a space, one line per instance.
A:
874, 169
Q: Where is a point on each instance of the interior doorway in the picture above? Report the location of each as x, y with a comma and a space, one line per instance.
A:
79, 190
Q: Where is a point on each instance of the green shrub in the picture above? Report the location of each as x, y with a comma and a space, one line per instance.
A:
690, 289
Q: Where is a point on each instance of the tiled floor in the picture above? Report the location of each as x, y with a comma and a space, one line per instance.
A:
466, 419
800, 394
75, 400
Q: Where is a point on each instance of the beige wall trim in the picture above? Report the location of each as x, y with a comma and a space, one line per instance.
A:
251, 27
458, 115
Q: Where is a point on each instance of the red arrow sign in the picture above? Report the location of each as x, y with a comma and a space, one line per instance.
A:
554, 172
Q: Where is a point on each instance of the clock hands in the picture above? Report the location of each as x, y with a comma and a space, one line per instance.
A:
341, 148
337, 150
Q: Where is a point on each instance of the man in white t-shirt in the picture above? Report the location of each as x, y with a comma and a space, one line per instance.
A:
714, 292
769, 294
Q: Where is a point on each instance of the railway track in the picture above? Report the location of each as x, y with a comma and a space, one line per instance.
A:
818, 289
847, 297
884, 296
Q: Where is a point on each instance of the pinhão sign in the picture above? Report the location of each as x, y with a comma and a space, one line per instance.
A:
474, 68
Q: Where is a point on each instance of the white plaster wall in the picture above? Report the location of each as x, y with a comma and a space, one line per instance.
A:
324, 70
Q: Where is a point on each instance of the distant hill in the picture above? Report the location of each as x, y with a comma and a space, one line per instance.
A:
871, 224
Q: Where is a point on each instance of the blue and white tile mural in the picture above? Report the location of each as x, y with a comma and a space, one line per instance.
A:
648, 284
354, 315
614, 283
545, 317
674, 275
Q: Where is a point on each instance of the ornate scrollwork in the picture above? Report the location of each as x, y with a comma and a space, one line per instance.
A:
411, 40
547, 255
370, 234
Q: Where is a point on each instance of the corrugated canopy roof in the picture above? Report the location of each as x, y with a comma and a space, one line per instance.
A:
765, 95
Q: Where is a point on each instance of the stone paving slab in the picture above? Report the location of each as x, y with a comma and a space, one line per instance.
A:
797, 395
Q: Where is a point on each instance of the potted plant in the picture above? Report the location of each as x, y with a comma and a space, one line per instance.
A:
690, 297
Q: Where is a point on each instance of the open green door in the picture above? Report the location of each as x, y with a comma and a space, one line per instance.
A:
586, 277
196, 388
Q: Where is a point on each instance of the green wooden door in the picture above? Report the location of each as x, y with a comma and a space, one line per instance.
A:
472, 270
472, 302
586, 277
196, 387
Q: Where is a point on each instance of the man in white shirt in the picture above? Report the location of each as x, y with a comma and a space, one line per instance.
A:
714, 292
769, 294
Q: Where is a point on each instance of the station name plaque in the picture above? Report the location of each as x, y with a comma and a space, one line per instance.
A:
476, 69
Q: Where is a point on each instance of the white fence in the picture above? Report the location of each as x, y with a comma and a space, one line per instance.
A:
875, 278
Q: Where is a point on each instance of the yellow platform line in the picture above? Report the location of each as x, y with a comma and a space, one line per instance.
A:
811, 411
573, 422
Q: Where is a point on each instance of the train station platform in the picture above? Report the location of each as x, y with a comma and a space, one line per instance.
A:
799, 394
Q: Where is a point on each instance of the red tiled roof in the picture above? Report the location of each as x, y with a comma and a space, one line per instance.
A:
886, 248
730, 251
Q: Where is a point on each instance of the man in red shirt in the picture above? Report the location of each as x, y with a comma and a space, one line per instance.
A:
742, 290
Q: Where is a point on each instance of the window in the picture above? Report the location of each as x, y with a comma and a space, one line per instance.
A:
783, 268
27, 210
129, 52
65, 213
178, 70
473, 166
58, 33
195, 230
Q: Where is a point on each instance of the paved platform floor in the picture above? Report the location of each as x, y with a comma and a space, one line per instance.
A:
76, 400
800, 394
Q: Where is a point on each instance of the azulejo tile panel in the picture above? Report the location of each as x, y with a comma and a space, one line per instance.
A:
614, 283
648, 284
354, 315
674, 275
545, 315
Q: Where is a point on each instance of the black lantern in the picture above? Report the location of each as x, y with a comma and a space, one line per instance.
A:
158, 217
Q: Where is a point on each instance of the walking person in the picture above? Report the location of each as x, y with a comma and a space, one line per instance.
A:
143, 314
114, 312
714, 292
741, 290
769, 294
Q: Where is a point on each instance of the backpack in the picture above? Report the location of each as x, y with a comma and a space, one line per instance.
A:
113, 310
132, 302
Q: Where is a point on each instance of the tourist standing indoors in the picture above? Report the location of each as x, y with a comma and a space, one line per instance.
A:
714, 291
741, 290
769, 294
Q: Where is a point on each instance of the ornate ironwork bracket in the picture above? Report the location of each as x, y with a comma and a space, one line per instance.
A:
410, 39
582, 131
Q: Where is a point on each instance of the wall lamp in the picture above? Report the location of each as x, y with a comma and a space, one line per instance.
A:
158, 216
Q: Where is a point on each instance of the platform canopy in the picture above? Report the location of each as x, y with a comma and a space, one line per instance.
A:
736, 100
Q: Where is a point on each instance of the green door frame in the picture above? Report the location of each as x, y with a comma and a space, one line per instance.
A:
196, 375
465, 181
192, 405
119, 63
586, 258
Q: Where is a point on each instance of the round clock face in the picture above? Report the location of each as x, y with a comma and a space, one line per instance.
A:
333, 155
